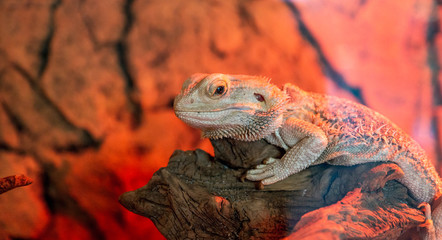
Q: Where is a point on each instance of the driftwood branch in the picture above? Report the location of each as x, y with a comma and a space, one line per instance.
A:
200, 197
11, 182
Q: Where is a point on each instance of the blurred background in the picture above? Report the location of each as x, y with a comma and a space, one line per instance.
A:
86, 89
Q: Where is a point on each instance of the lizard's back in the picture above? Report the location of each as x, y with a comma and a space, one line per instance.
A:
358, 134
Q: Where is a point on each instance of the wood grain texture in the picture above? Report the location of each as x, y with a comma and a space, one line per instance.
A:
200, 198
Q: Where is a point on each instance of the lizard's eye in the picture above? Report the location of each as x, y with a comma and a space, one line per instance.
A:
218, 88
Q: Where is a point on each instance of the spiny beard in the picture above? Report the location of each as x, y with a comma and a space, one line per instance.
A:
256, 127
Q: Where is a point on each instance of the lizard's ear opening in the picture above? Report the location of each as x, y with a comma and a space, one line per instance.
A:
259, 97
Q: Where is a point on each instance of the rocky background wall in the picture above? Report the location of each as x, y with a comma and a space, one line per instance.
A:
86, 89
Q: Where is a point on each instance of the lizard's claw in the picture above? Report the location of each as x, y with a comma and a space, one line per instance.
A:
426, 208
269, 172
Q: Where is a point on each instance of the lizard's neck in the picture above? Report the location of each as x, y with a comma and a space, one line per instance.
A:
255, 128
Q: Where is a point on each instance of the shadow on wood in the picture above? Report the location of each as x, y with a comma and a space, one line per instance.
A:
200, 197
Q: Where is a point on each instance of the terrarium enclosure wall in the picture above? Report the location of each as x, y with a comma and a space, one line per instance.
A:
87, 87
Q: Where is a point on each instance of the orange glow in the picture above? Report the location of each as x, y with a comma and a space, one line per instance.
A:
86, 90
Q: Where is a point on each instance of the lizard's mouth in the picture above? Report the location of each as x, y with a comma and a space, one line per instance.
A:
232, 108
210, 116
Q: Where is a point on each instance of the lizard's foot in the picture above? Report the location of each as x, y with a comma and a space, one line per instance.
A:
269, 172
428, 224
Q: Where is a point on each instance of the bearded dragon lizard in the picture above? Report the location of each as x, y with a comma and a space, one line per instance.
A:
312, 128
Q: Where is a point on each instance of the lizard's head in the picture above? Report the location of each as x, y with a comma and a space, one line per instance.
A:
237, 106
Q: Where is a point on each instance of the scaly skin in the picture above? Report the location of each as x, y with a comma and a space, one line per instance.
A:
312, 128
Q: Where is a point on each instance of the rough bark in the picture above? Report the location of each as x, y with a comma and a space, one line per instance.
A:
197, 196
11, 182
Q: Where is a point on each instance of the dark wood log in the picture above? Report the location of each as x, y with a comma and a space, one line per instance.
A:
11, 182
198, 196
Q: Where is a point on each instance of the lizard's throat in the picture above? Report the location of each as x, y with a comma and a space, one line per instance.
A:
256, 128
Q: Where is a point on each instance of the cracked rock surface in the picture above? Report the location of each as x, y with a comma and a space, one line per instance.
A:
86, 89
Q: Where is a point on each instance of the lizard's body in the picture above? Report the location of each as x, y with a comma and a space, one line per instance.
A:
357, 134
312, 128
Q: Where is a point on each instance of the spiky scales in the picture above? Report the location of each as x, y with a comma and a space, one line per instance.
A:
312, 128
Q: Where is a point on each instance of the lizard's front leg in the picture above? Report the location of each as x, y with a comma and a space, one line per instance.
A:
312, 143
